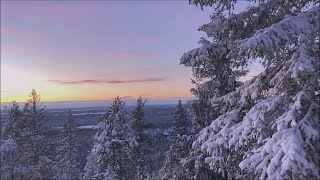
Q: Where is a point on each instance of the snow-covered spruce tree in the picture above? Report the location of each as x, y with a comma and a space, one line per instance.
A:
91, 167
180, 121
67, 166
9, 139
24, 131
111, 156
142, 150
14, 162
272, 121
35, 117
213, 77
179, 147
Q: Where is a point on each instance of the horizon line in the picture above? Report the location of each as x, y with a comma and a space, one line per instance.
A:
110, 99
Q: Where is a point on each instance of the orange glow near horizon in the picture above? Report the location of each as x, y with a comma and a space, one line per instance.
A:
17, 84
74, 94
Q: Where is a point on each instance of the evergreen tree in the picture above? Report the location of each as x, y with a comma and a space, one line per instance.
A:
14, 159
142, 150
67, 166
180, 121
179, 148
111, 156
23, 142
213, 77
38, 145
267, 128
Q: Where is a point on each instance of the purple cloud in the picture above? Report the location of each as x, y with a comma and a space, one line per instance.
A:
94, 81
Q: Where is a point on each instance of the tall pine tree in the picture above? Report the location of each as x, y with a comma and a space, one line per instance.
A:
111, 155
25, 141
142, 150
35, 115
67, 166
179, 147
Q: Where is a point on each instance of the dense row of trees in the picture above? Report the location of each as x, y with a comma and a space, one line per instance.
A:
121, 148
25, 145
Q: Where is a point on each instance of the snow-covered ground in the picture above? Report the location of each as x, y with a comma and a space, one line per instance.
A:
79, 127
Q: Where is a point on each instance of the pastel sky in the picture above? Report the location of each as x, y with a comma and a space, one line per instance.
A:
97, 50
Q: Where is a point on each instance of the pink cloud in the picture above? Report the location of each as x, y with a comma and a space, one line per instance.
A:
53, 8
94, 81
10, 49
5, 30
121, 54
124, 55
138, 38
62, 10
55, 11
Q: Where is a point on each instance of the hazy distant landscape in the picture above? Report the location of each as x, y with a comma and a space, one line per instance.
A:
158, 117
